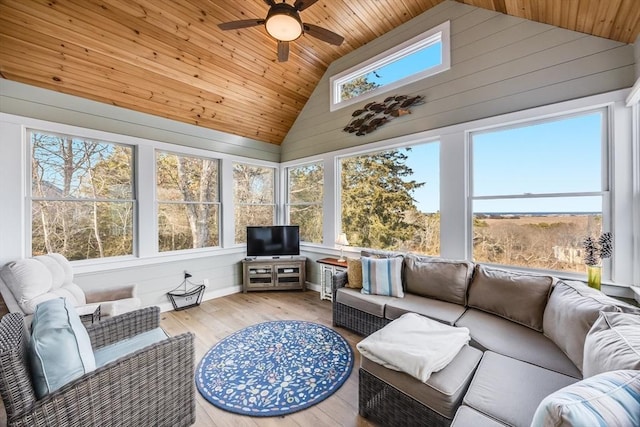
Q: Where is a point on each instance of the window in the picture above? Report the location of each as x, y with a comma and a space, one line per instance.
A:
390, 199
253, 197
304, 200
82, 199
538, 191
188, 202
422, 56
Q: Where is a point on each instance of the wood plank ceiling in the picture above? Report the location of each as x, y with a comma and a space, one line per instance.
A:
168, 58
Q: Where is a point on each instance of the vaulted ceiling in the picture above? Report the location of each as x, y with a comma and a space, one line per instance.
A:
170, 59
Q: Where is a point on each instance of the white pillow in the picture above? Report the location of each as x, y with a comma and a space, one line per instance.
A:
27, 279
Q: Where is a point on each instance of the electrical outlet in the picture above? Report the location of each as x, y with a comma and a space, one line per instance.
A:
205, 282
187, 275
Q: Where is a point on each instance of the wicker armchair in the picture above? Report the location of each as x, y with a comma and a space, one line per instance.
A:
151, 387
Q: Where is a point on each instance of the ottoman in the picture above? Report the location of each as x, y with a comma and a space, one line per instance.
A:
393, 398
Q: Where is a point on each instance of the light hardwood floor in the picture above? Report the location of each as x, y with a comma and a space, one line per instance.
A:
215, 319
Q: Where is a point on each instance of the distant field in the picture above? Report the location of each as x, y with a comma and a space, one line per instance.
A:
581, 220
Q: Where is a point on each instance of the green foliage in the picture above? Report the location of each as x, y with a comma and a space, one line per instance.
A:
357, 87
376, 197
306, 189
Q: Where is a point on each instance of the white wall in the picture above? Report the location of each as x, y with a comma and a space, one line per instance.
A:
499, 64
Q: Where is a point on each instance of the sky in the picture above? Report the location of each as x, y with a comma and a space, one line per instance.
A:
563, 155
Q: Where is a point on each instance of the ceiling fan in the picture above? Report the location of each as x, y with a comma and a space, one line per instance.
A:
284, 24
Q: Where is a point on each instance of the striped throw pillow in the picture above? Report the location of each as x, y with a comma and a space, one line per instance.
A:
382, 276
607, 399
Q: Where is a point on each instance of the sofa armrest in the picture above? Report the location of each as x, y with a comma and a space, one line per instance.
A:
117, 328
152, 386
111, 294
338, 280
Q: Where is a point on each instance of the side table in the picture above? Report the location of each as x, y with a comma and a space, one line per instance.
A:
329, 267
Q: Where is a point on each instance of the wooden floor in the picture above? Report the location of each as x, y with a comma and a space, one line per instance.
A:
215, 319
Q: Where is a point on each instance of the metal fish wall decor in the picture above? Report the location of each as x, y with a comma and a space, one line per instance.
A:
375, 114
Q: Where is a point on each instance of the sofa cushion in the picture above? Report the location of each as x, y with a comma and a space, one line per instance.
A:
60, 349
489, 332
572, 309
382, 276
441, 311
127, 346
510, 390
27, 279
607, 399
613, 343
515, 296
443, 391
469, 417
354, 273
443, 279
372, 304
55, 269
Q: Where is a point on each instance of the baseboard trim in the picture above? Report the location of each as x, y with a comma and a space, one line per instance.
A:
208, 295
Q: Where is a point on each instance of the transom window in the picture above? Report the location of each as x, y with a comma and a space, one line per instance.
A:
422, 56
187, 194
538, 190
82, 199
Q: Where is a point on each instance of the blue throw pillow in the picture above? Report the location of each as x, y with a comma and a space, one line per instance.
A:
382, 276
60, 349
608, 399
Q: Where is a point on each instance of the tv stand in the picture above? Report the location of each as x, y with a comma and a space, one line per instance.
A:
273, 274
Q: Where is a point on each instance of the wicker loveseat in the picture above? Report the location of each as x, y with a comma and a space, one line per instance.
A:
152, 386
528, 334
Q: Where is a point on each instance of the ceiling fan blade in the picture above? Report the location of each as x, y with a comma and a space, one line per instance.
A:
283, 51
303, 4
270, 2
323, 34
245, 23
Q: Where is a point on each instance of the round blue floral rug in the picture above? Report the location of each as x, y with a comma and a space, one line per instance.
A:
274, 368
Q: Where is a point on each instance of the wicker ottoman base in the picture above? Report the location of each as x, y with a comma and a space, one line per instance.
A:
388, 406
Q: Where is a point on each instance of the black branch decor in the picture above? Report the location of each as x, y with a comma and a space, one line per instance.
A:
375, 114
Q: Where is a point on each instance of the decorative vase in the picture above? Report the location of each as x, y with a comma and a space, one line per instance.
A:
594, 276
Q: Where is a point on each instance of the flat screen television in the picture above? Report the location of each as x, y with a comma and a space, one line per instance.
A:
273, 241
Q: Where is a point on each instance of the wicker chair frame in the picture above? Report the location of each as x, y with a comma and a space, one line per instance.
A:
388, 406
150, 387
351, 318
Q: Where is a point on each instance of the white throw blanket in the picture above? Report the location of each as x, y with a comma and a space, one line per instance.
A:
414, 344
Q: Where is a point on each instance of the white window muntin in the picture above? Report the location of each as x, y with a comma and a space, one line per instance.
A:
441, 33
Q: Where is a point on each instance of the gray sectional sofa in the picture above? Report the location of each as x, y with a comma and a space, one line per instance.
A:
527, 332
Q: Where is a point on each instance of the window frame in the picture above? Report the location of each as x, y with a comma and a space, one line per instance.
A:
288, 203
438, 33
76, 133
158, 201
604, 193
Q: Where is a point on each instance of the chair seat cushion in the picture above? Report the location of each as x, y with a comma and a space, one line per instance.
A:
489, 332
468, 417
60, 349
509, 390
441, 311
372, 304
122, 348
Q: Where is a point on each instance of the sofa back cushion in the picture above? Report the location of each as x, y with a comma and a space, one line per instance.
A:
609, 399
60, 349
382, 276
27, 279
571, 311
613, 343
518, 297
438, 278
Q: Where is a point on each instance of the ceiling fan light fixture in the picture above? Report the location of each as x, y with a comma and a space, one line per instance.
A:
283, 23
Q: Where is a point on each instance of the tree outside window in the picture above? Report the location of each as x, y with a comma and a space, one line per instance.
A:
304, 201
82, 199
386, 204
253, 197
187, 192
